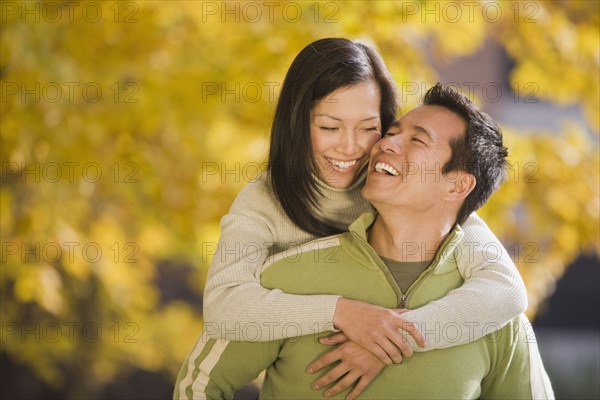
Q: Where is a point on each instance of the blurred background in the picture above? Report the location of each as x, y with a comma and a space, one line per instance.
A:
128, 127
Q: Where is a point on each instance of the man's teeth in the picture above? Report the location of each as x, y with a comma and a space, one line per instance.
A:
342, 164
386, 168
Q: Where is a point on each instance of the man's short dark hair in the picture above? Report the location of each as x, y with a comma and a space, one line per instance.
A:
480, 151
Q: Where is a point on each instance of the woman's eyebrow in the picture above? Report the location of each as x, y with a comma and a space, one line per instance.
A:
328, 116
338, 119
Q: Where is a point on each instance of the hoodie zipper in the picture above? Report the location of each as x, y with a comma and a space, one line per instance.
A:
415, 285
404, 297
402, 301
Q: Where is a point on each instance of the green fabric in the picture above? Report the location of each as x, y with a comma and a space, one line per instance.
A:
495, 366
405, 273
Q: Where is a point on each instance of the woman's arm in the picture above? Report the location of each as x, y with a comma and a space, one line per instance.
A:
237, 307
492, 294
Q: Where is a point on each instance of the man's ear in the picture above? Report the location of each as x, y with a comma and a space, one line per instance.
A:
461, 183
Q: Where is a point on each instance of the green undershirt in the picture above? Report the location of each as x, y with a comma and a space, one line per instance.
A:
404, 272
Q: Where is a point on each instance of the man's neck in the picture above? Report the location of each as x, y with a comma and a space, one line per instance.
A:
409, 237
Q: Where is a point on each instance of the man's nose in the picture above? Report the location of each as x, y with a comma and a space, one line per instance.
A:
391, 144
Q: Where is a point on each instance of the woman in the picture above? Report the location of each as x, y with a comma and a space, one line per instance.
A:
336, 100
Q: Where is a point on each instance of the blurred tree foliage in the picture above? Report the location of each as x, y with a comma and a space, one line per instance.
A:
127, 128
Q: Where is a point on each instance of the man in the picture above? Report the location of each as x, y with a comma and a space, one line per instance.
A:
436, 165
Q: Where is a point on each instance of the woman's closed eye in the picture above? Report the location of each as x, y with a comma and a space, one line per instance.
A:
371, 129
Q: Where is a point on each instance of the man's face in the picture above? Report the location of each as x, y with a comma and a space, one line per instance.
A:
405, 167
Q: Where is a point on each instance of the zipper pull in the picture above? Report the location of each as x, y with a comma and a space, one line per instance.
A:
402, 301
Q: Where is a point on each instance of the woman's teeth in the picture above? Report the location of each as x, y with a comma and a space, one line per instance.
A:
342, 164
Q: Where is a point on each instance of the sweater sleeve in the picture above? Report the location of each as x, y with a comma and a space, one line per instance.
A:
492, 294
236, 306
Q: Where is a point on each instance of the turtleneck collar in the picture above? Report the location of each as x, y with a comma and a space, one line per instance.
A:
340, 207
358, 183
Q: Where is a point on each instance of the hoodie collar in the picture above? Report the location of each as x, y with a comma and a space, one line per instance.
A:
445, 253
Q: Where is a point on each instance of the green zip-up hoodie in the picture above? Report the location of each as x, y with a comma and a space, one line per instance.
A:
503, 364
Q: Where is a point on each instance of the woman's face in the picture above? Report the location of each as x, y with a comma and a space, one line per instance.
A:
343, 127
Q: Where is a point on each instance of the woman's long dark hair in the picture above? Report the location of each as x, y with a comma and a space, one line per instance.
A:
318, 70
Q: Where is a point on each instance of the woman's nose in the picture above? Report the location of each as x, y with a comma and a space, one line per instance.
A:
347, 143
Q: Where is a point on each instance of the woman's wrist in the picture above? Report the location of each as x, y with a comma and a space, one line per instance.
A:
341, 309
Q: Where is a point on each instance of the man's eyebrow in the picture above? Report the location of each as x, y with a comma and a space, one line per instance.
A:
416, 128
395, 124
420, 129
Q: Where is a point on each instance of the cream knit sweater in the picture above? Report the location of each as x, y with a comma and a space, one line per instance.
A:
237, 307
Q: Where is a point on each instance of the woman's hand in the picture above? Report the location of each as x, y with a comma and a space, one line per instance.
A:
356, 364
376, 329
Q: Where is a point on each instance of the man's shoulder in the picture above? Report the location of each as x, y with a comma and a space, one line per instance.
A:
297, 255
329, 266
311, 268
516, 336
